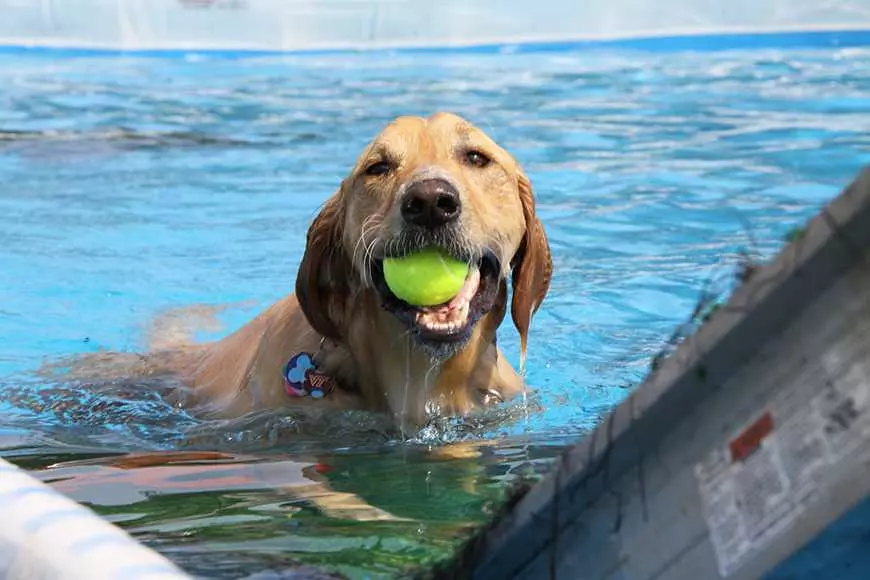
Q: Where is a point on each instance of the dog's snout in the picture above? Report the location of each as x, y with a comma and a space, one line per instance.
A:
431, 203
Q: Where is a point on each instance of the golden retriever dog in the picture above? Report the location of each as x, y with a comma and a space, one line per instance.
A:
343, 340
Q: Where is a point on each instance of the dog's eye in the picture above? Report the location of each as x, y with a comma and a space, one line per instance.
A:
379, 168
476, 158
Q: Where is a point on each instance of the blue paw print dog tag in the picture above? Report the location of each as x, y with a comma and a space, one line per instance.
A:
302, 379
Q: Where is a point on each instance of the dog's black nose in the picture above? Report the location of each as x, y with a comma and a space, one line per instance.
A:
431, 203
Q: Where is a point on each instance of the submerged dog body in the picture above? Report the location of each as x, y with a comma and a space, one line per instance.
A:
420, 183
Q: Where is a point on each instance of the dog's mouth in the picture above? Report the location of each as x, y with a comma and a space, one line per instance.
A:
453, 320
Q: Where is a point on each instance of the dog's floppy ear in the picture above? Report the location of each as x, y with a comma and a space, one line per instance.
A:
322, 283
532, 265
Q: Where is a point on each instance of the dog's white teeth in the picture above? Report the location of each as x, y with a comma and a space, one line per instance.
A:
450, 320
436, 324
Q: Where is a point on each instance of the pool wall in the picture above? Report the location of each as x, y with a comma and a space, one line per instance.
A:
303, 25
737, 450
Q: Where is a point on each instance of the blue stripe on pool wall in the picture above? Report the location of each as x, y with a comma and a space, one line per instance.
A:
700, 42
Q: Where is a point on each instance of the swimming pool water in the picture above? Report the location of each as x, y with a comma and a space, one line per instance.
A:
133, 185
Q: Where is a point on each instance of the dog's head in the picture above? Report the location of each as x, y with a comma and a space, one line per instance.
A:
422, 183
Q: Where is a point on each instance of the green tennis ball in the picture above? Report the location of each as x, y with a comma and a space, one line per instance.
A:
427, 278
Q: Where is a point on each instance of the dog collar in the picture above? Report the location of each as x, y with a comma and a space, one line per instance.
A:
303, 379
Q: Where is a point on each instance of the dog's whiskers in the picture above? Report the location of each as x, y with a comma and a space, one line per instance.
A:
369, 258
369, 224
404, 335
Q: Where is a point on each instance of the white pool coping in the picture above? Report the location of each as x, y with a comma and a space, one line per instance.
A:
46, 535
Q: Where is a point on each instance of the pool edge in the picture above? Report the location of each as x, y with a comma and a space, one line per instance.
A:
673, 41
46, 534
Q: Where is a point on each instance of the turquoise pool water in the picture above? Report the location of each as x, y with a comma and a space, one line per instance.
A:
133, 185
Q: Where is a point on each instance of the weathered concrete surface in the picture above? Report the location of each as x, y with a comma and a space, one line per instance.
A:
743, 444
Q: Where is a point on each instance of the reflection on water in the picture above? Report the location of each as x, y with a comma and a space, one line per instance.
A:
381, 511
131, 186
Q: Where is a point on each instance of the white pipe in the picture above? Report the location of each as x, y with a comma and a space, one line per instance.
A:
44, 534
